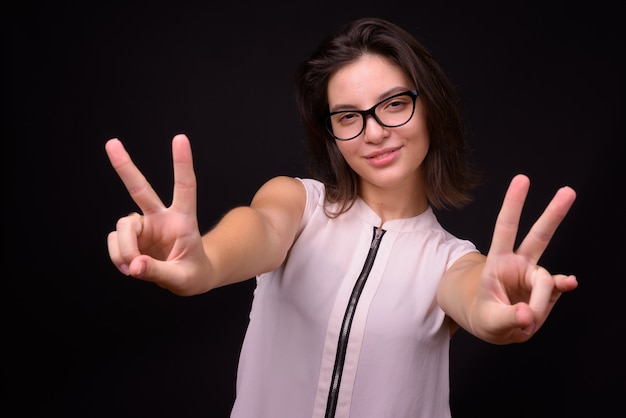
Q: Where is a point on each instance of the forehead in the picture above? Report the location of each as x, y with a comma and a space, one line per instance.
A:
368, 79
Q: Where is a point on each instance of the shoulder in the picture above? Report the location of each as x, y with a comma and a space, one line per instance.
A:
281, 200
315, 189
282, 188
302, 189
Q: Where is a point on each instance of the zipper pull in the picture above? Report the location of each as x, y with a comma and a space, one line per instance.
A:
377, 236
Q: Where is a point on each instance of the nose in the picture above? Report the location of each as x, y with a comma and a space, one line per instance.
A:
374, 132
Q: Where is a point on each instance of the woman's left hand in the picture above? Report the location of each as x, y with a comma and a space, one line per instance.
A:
515, 295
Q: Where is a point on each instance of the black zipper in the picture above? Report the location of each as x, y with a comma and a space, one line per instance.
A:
342, 344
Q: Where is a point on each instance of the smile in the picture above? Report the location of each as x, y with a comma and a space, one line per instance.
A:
384, 157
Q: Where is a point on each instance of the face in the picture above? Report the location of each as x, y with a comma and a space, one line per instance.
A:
386, 158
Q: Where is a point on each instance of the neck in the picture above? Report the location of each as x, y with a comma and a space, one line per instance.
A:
394, 203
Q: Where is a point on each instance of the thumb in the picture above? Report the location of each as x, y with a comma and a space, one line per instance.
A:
508, 322
524, 318
145, 268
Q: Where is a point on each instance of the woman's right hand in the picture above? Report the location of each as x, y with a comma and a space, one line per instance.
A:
161, 244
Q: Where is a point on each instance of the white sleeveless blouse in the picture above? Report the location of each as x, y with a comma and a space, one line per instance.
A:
397, 351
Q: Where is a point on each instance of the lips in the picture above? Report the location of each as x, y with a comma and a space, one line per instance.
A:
382, 157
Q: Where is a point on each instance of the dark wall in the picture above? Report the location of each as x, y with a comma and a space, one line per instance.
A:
543, 87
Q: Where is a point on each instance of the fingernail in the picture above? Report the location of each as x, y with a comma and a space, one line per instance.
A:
529, 329
141, 269
124, 269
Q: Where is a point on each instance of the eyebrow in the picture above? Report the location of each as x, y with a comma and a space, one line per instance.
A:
381, 97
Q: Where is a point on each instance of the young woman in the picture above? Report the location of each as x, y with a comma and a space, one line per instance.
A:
359, 288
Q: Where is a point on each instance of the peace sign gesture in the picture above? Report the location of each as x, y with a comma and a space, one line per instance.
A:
510, 295
162, 244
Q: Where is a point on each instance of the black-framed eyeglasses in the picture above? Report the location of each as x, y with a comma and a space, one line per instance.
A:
391, 112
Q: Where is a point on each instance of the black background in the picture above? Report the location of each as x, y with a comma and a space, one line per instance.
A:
543, 88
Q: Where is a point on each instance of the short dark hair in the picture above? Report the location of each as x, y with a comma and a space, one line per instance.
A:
449, 176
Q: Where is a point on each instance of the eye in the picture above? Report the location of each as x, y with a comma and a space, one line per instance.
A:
395, 104
346, 117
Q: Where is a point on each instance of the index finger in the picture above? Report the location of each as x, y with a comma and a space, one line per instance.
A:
138, 187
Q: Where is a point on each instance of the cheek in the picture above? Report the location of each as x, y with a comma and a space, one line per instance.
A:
419, 132
419, 119
346, 148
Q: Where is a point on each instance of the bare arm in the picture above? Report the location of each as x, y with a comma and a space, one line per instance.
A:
506, 297
163, 244
255, 239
